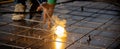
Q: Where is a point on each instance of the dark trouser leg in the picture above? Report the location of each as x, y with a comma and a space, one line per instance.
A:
33, 8
20, 1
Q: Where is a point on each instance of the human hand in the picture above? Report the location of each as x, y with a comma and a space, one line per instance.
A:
43, 7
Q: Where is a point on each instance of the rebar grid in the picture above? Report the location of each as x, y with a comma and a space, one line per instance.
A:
27, 28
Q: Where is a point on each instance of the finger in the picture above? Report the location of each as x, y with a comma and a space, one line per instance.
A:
39, 8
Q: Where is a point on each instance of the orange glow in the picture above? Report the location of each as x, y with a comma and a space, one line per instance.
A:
60, 31
59, 45
59, 27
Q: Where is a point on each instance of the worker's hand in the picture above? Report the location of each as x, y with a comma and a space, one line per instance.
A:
39, 8
43, 7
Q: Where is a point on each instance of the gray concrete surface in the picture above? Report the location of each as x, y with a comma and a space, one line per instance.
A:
96, 27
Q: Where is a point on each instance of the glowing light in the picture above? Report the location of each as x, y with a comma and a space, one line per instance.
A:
60, 31
58, 44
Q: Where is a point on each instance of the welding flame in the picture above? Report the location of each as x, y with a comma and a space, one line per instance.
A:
59, 27
60, 31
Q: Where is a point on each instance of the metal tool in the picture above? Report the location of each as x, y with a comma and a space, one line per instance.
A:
46, 12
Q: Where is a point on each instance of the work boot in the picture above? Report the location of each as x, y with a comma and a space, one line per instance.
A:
19, 8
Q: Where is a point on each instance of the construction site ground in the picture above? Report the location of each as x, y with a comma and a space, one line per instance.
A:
90, 25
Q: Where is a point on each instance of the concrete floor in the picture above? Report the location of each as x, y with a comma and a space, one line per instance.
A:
96, 27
